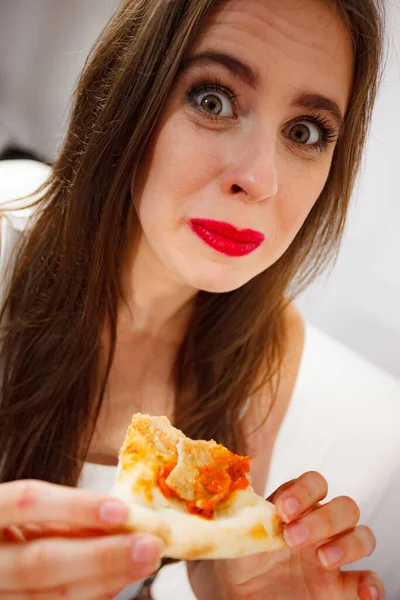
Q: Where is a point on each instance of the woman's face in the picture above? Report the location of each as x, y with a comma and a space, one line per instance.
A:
247, 139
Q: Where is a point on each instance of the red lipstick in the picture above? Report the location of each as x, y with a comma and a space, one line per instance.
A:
225, 238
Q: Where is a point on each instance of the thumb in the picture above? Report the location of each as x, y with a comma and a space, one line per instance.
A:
364, 585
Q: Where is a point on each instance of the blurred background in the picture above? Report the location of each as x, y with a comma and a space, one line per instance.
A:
43, 45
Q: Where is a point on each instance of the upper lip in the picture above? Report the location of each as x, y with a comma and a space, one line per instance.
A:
230, 231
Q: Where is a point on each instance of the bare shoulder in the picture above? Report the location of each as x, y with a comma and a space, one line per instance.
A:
295, 330
260, 433
294, 319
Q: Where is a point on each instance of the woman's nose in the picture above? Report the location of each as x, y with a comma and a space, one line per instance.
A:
253, 176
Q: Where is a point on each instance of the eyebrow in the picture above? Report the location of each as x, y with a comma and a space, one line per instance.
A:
253, 78
316, 102
234, 65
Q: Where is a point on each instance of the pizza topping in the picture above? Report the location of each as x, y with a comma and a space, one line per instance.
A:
151, 440
163, 473
205, 476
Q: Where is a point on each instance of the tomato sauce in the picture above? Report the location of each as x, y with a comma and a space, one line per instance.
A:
215, 483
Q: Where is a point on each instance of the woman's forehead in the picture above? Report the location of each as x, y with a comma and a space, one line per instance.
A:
298, 40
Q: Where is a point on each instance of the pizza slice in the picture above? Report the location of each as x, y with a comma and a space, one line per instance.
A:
195, 495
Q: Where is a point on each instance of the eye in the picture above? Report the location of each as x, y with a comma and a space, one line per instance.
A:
215, 104
213, 100
312, 133
305, 133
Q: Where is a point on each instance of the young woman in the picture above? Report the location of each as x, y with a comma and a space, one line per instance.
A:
204, 180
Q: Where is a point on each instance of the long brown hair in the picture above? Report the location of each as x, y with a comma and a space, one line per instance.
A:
65, 285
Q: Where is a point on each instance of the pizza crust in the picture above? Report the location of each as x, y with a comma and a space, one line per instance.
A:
248, 524
249, 530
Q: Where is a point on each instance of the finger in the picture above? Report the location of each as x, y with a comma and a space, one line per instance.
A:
51, 562
91, 589
30, 501
348, 548
336, 517
301, 496
364, 585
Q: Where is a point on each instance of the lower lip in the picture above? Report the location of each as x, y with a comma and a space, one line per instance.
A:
222, 244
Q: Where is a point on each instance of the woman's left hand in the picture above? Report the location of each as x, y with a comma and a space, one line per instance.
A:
320, 538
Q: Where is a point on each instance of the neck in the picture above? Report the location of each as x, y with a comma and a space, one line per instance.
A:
156, 304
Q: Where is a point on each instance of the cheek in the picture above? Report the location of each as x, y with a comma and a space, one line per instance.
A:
184, 160
299, 197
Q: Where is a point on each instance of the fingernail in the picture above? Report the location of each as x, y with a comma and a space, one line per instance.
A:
374, 592
289, 508
113, 512
330, 556
296, 535
146, 549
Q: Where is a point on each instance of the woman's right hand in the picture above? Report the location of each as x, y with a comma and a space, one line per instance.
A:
82, 559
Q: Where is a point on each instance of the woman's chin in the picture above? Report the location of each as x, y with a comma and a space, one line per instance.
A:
219, 289
219, 283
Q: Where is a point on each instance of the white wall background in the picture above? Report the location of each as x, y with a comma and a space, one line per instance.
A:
360, 301
43, 44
